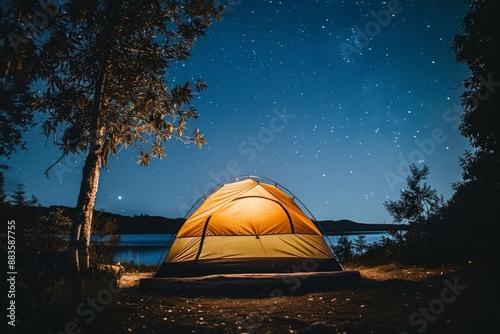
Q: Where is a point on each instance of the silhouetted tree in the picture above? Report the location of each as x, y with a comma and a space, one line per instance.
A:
49, 233
418, 201
473, 211
476, 47
360, 244
343, 249
103, 64
33, 201
19, 195
3, 195
417, 205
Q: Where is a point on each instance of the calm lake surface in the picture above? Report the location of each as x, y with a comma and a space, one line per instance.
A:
150, 248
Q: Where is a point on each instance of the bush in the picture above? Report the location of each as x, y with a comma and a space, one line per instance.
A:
343, 250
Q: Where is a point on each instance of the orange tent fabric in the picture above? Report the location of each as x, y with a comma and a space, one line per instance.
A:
246, 226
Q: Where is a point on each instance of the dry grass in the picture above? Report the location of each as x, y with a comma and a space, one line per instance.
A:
409, 273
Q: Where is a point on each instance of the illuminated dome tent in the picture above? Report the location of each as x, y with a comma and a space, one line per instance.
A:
247, 227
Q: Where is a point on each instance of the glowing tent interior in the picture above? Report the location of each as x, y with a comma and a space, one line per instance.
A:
248, 229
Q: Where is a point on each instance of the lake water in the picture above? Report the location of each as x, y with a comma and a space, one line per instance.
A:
150, 248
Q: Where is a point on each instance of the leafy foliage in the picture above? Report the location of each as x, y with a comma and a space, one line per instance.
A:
360, 244
3, 195
418, 201
473, 211
19, 195
49, 233
103, 64
420, 207
18, 64
343, 249
476, 47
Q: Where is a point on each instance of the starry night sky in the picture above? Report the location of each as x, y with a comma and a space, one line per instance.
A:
294, 97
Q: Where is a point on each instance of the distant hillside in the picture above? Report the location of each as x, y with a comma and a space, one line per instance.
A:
142, 224
345, 225
145, 224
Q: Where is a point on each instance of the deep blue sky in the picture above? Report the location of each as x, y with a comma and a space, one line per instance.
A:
285, 102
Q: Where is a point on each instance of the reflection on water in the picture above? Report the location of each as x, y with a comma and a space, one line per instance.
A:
143, 248
149, 249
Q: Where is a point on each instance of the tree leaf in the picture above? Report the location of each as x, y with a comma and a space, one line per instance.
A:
198, 138
157, 150
181, 128
144, 159
201, 85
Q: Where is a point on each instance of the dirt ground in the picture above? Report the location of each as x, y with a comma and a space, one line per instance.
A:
389, 299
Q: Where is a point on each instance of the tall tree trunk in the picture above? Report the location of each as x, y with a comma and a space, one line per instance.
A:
85, 204
82, 224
